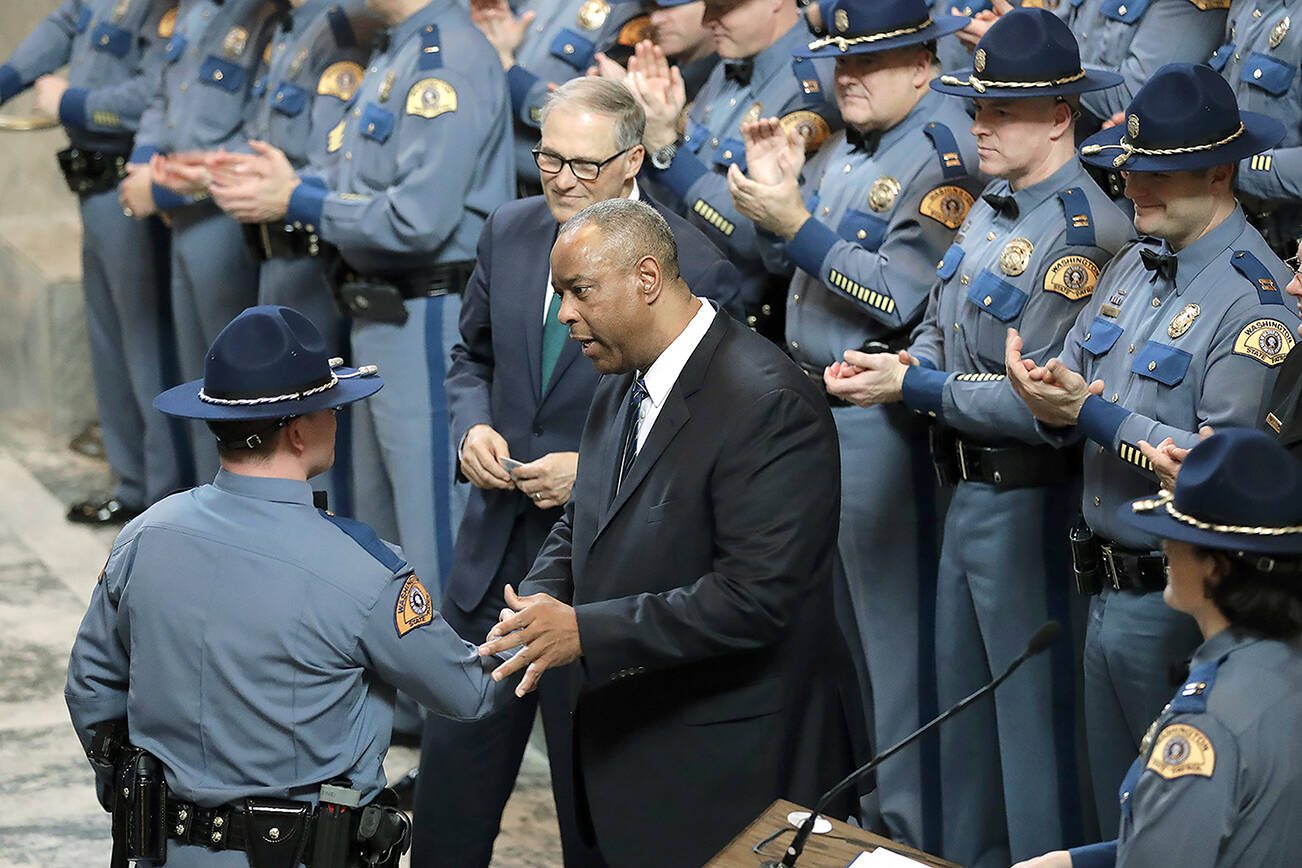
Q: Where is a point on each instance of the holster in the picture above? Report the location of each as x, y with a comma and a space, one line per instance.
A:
275, 832
139, 809
943, 441
1085, 566
383, 835
91, 171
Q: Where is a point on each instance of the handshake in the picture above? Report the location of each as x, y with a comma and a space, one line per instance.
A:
546, 632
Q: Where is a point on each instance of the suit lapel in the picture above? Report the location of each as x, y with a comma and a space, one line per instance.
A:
534, 291
569, 353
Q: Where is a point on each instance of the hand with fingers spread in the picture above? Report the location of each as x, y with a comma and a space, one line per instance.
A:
482, 452
1054, 393
544, 629
769, 191
659, 89
1167, 457
548, 480
261, 194
503, 29
868, 379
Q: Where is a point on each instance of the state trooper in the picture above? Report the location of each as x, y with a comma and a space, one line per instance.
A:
1188, 328
250, 643
113, 50
1261, 60
543, 43
1028, 255
692, 147
879, 205
1218, 778
421, 158
211, 63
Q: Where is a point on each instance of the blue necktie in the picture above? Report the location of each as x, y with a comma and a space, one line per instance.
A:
635, 396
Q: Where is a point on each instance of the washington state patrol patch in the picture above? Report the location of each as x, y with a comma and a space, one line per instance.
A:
634, 31
431, 97
167, 24
811, 125
340, 80
947, 205
1266, 340
414, 608
1073, 277
1182, 750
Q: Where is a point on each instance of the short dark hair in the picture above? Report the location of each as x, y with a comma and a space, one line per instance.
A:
1268, 603
632, 227
255, 438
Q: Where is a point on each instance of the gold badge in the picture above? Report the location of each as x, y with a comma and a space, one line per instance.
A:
1016, 256
386, 86
947, 205
120, 10
1279, 31
340, 80
1266, 340
237, 39
335, 138
634, 31
593, 14
842, 21
414, 608
431, 97
1073, 277
296, 65
1182, 750
883, 193
167, 24
753, 113
979, 60
1183, 320
1132, 126
809, 125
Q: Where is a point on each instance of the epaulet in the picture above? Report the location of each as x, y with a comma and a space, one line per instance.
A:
1257, 274
1080, 221
364, 536
807, 78
341, 27
1192, 696
431, 52
1206, 5
942, 139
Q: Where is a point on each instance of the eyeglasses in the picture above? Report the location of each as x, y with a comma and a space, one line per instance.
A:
584, 170
1294, 264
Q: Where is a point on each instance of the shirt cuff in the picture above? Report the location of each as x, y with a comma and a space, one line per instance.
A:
683, 172
72, 107
1100, 420
925, 362
924, 389
520, 81
306, 204
810, 247
1102, 855
142, 153
167, 200
11, 83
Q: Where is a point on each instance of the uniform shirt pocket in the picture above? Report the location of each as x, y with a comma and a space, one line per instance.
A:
376, 123
866, 230
217, 72
289, 99
574, 49
1267, 73
1125, 11
1100, 336
1162, 363
996, 296
112, 40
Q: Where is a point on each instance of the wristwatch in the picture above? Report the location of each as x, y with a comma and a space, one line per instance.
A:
662, 157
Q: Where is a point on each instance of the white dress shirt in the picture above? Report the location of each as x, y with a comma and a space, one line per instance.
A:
664, 371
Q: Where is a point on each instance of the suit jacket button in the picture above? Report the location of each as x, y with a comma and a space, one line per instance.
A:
537, 432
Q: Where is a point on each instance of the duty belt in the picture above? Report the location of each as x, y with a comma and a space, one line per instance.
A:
816, 377
958, 459
1129, 570
281, 241
448, 279
89, 171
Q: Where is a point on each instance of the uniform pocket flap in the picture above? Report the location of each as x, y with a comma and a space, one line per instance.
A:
731, 152
175, 48
223, 74
741, 703
289, 99
1127, 11
866, 230
113, 40
996, 296
1101, 336
1267, 73
1221, 56
574, 49
949, 264
376, 123
1160, 362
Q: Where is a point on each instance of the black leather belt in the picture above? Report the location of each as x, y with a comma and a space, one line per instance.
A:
1130, 570
816, 376
960, 460
281, 240
447, 279
91, 171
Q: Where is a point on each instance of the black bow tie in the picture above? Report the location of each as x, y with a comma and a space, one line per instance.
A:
739, 71
1163, 264
863, 142
1005, 205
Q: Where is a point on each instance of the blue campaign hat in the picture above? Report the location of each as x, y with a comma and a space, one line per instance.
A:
665, 4
867, 26
1238, 491
1185, 117
269, 362
1028, 52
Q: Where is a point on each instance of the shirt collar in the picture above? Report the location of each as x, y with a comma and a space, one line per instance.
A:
1217, 647
264, 487
926, 108
1198, 255
664, 371
1030, 197
402, 31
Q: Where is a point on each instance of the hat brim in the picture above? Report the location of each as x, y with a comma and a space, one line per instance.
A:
1260, 133
1094, 79
184, 402
943, 26
1161, 524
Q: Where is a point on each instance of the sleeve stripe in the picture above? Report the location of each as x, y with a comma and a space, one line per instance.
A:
713, 217
879, 300
980, 378
1127, 452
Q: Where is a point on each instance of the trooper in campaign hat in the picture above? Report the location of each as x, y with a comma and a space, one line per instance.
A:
858, 27
1188, 328
1218, 779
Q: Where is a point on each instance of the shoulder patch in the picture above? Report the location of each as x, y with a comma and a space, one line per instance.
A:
1258, 275
1268, 341
1080, 222
431, 97
947, 205
1205, 5
1073, 277
167, 24
942, 139
364, 536
811, 126
1182, 750
340, 80
413, 608
634, 31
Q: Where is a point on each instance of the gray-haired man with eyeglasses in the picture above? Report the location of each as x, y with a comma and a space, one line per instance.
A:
518, 394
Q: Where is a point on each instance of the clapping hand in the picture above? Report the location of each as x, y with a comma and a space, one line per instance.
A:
501, 27
868, 379
1167, 458
1054, 393
658, 88
980, 23
253, 188
768, 192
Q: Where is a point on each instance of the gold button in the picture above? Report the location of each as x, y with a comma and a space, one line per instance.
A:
714, 142
990, 236
348, 155
1157, 302
103, 40
280, 97
795, 345
1256, 13
1132, 349
1098, 501
1152, 366
987, 300
357, 113
826, 210
861, 234
845, 170
955, 326
217, 75
795, 297
185, 85
1115, 397
1256, 73
370, 128
1088, 335
964, 280
568, 49
1121, 10
727, 155
732, 101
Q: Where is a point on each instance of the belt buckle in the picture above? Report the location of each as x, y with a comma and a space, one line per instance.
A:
1110, 566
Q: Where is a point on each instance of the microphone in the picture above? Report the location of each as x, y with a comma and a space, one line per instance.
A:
1041, 639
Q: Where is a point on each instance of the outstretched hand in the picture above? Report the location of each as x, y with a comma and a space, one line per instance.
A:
1054, 393
544, 629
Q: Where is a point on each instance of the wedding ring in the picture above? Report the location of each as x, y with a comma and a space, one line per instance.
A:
537, 495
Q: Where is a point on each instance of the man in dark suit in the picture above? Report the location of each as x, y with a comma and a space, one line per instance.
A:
690, 574
517, 390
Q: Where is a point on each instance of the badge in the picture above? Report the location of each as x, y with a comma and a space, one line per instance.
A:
842, 21
386, 86
593, 14
340, 80
1072, 277
1016, 256
267, 52
167, 24
414, 608
810, 85
753, 113
1266, 340
296, 65
431, 97
1182, 750
1279, 31
120, 11
979, 60
947, 205
810, 125
634, 31
237, 39
1132, 126
1183, 320
335, 138
883, 192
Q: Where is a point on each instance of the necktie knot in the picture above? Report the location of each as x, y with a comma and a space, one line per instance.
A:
739, 71
637, 394
1005, 205
1161, 264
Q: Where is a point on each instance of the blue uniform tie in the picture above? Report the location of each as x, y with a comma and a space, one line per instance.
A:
635, 396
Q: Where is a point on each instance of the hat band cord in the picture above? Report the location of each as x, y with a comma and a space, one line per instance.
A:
843, 43
1165, 500
270, 399
1127, 149
980, 84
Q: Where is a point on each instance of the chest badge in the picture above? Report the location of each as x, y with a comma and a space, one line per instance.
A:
1016, 256
386, 86
883, 193
1279, 31
979, 60
237, 39
842, 21
593, 14
1183, 320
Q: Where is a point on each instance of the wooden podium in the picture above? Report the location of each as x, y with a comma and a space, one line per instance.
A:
834, 849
